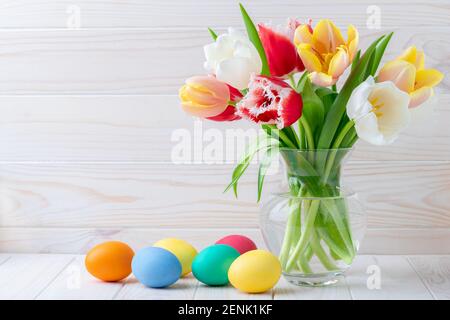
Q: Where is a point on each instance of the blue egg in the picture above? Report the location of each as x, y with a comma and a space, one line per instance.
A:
156, 267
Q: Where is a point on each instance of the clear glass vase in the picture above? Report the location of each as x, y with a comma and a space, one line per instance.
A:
313, 224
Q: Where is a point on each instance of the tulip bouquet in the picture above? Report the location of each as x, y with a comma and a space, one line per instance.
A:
286, 80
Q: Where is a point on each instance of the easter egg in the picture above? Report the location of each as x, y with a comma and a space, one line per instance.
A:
211, 265
156, 267
110, 261
182, 250
255, 271
240, 243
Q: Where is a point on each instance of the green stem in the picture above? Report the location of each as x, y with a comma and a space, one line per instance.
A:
304, 261
292, 226
301, 132
342, 134
273, 131
336, 145
308, 133
321, 254
306, 234
289, 232
292, 81
286, 139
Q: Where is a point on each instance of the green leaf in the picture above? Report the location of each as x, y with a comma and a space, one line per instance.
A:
254, 38
313, 108
301, 82
242, 166
379, 52
356, 77
356, 60
264, 166
213, 34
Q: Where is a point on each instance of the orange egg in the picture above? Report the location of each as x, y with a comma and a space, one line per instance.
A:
110, 261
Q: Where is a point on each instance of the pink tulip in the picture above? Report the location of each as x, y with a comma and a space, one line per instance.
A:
230, 112
272, 101
280, 50
204, 96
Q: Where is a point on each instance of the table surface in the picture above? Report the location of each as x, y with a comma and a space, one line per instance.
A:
60, 276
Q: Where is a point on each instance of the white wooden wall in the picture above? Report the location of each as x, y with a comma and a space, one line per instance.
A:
87, 116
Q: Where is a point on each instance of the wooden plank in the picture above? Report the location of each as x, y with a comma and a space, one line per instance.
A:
145, 61
204, 292
4, 257
397, 279
435, 273
287, 291
26, 276
79, 240
50, 277
127, 128
406, 241
75, 283
119, 195
200, 13
183, 289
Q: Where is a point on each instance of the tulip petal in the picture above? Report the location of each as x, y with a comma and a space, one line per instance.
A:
420, 96
352, 41
420, 60
310, 60
209, 86
228, 115
379, 110
202, 111
428, 78
392, 111
413, 56
322, 79
358, 105
280, 51
327, 37
270, 100
400, 72
409, 55
204, 96
367, 130
338, 63
236, 72
232, 52
303, 35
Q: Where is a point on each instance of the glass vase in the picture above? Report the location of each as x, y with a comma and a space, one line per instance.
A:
313, 224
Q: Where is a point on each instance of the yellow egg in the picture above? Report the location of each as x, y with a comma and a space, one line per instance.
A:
255, 271
182, 250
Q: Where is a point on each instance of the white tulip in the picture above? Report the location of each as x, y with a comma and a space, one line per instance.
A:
233, 58
379, 110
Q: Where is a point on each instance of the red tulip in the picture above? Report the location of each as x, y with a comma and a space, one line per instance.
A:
230, 112
272, 101
280, 50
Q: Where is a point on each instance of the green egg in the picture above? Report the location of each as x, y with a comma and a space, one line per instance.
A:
211, 265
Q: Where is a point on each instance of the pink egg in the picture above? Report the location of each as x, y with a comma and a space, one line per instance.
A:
238, 242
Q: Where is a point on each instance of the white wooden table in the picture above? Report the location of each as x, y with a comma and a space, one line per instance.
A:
60, 276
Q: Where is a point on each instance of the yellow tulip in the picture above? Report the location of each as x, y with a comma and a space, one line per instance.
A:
408, 73
324, 51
